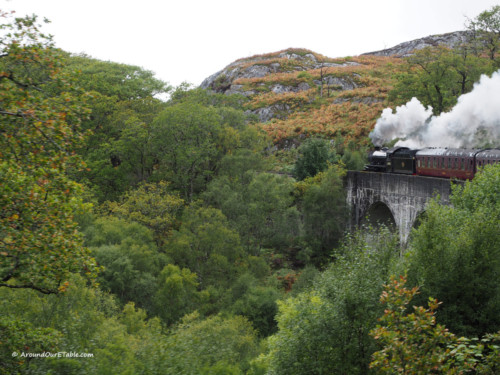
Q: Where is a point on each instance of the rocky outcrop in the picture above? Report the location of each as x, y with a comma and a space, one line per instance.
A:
263, 65
265, 114
405, 49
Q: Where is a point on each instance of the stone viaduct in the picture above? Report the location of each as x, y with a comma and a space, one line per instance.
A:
392, 199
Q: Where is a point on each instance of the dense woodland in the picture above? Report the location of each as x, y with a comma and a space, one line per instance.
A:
176, 237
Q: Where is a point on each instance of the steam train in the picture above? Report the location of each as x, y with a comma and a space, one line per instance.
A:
457, 163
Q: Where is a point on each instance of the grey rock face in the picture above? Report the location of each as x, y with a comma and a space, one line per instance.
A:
407, 48
265, 114
336, 83
280, 89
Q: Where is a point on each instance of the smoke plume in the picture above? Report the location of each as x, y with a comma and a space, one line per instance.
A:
473, 122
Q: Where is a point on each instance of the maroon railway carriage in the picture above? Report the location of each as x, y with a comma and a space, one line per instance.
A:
446, 162
487, 157
453, 162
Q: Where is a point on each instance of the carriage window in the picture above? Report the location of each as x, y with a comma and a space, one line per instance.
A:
463, 164
435, 162
418, 161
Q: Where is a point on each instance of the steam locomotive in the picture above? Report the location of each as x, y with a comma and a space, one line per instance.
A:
457, 163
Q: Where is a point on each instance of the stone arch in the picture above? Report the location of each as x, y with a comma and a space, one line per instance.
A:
377, 214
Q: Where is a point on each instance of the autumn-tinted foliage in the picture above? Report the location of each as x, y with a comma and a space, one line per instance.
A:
39, 117
414, 344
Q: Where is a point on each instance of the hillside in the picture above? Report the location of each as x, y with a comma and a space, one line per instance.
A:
296, 92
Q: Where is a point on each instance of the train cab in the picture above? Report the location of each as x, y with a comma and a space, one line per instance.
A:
401, 160
377, 160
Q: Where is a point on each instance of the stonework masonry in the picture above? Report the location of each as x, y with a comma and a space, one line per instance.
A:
405, 196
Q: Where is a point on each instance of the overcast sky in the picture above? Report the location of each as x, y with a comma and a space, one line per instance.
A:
189, 40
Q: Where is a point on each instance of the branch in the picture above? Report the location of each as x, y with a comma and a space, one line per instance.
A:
30, 286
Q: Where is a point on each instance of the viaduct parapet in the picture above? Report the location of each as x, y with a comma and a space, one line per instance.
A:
392, 198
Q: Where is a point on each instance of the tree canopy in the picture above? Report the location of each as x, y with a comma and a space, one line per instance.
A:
40, 114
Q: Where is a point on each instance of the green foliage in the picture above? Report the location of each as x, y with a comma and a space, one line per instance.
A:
486, 28
315, 155
17, 336
210, 275
324, 212
326, 329
40, 128
190, 140
110, 79
123, 101
83, 317
414, 344
463, 240
256, 303
177, 294
353, 159
438, 76
212, 346
207, 246
153, 206
258, 205
130, 259
185, 93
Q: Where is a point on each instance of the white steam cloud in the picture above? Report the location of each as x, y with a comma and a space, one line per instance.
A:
473, 122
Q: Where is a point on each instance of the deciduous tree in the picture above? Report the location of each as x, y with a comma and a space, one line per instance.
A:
40, 128
455, 256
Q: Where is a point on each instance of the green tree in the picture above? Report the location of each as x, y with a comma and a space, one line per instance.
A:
17, 336
130, 259
455, 256
414, 344
215, 345
177, 294
325, 330
190, 140
324, 212
429, 78
40, 129
82, 320
115, 80
185, 93
256, 302
124, 101
486, 28
437, 76
206, 246
258, 205
315, 155
152, 205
